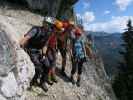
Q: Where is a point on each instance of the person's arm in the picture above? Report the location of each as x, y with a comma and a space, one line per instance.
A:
24, 40
44, 50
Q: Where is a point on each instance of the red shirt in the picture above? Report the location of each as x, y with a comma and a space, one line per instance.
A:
52, 41
63, 35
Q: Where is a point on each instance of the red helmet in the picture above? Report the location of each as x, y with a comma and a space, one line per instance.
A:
65, 24
78, 32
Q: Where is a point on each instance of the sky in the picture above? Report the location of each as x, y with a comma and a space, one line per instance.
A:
104, 15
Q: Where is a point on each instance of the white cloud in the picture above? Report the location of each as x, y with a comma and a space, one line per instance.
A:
87, 17
123, 4
116, 24
107, 12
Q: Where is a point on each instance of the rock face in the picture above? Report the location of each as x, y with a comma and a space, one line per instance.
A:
16, 69
7, 55
53, 8
49, 6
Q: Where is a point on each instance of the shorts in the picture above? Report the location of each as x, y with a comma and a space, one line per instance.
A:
50, 58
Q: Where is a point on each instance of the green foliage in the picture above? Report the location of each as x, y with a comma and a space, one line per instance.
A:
123, 83
98, 98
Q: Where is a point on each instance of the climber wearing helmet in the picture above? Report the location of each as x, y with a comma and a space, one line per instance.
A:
78, 55
63, 42
51, 51
35, 44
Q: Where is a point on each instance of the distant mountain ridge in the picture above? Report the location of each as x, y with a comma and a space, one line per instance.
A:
108, 46
101, 33
97, 33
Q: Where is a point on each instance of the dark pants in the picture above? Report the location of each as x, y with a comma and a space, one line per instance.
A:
40, 69
63, 54
77, 64
62, 49
51, 57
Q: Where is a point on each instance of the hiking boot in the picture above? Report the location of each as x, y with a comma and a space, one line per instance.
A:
33, 83
72, 80
44, 87
50, 80
78, 83
53, 78
63, 73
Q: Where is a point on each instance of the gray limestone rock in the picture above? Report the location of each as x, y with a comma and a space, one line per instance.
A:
9, 85
50, 6
7, 54
2, 98
16, 68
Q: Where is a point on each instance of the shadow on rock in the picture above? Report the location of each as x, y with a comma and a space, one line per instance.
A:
66, 78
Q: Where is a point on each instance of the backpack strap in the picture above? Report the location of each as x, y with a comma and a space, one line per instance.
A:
38, 31
83, 47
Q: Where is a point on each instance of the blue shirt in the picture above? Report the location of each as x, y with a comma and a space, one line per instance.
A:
79, 48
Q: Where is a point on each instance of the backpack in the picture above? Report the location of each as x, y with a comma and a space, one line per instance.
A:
79, 49
39, 39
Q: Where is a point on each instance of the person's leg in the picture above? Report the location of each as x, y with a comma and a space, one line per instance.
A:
49, 56
44, 76
39, 72
80, 65
78, 80
73, 69
50, 76
53, 65
63, 63
43, 83
34, 80
44, 86
63, 54
54, 75
35, 60
74, 66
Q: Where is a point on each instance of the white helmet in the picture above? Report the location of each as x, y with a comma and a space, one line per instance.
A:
50, 20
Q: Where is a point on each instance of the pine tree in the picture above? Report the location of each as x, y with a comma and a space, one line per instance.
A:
123, 84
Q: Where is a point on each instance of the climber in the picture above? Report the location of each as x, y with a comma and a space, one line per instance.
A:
79, 55
51, 51
63, 42
34, 43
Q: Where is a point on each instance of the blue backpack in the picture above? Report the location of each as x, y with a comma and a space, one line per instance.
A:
78, 48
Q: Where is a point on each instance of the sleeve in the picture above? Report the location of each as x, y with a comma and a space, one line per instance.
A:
32, 32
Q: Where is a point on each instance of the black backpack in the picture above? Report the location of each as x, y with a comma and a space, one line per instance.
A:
39, 39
